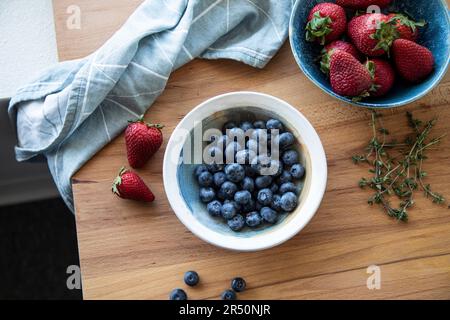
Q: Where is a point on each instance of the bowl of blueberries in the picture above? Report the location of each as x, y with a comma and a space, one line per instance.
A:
245, 171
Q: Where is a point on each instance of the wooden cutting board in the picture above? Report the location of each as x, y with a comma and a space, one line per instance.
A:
131, 250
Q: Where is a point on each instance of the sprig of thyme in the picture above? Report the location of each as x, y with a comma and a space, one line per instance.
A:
396, 168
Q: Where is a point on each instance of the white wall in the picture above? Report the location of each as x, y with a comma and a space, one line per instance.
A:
27, 42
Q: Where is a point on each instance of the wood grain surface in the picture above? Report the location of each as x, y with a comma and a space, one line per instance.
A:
131, 250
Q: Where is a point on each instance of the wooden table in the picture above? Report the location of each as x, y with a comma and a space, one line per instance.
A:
131, 250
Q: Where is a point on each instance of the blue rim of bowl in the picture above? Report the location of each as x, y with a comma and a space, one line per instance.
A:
365, 104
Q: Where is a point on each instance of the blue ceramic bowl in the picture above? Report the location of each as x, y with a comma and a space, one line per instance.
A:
435, 36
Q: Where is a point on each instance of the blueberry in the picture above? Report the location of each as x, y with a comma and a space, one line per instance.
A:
268, 215
284, 177
290, 157
265, 197
285, 140
207, 194
245, 156
252, 145
235, 172
260, 135
274, 188
276, 203
250, 172
260, 163
259, 124
263, 182
199, 169
238, 284
288, 187
178, 294
274, 124
249, 206
235, 134
231, 151
236, 223
242, 197
229, 210
214, 208
246, 125
275, 168
248, 184
223, 142
253, 219
214, 167
297, 171
228, 295
215, 153
205, 179
191, 278
227, 190
288, 201
229, 125
219, 178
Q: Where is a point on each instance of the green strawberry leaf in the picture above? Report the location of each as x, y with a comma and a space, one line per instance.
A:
318, 28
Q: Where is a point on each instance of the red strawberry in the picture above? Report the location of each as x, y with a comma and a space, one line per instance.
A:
348, 76
329, 49
372, 34
142, 141
413, 61
383, 76
406, 27
363, 4
128, 185
326, 22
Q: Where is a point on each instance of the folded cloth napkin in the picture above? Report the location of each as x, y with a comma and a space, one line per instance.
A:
77, 107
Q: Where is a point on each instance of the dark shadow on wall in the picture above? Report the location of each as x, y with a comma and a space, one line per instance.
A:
37, 244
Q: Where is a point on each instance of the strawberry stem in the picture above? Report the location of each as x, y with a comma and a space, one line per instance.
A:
318, 28
118, 181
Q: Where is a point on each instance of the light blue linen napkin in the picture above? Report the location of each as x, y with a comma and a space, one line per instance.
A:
77, 107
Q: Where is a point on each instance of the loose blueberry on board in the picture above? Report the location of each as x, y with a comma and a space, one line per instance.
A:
214, 208
191, 278
207, 194
246, 125
228, 295
242, 197
248, 184
238, 284
205, 179
290, 157
262, 182
265, 197
269, 215
219, 178
285, 140
178, 294
236, 223
235, 172
199, 169
274, 124
288, 201
288, 187
284, 177
228, 210
297, 171
253, 219
227, 190
276, 203
259, 124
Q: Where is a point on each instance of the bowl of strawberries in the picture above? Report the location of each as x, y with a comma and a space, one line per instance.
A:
372, 53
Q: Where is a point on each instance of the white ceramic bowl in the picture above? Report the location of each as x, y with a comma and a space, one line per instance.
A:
182, 190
